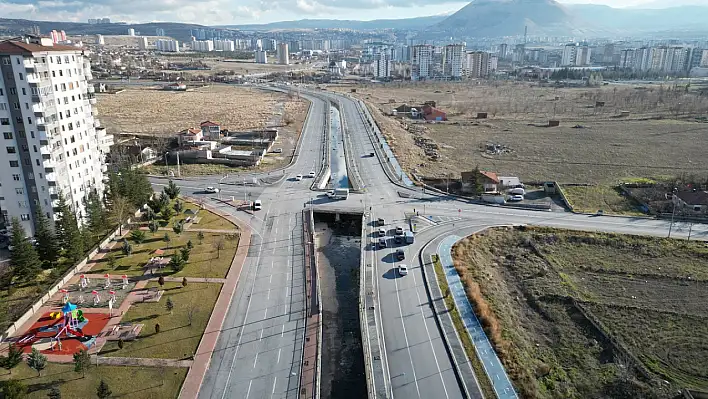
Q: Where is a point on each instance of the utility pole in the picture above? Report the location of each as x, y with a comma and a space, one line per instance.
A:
179, 172
673, 211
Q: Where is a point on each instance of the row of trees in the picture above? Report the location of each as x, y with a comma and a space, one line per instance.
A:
61, 243
14, 389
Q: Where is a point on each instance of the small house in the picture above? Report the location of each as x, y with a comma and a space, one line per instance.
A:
433, 114
189, 136
695, 202
488, 180
210, 130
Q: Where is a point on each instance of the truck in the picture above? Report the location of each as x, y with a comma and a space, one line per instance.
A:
340, 193
410, 237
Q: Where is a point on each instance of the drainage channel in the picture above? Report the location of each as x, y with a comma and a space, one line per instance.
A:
338, 243
337, 159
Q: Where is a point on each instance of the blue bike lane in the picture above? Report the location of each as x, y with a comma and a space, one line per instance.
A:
492, 365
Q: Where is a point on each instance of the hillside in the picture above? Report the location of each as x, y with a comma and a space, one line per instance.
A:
404, 23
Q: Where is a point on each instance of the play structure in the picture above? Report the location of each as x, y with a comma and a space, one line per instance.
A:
71, 326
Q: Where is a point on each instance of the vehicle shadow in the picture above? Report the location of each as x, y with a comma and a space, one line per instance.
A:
391, 274
390, 258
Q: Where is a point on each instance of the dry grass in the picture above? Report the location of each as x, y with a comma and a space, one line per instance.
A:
159, 112
647, 292
605, 151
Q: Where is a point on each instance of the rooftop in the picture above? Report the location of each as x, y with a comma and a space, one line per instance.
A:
208, 123
17, 47
694, 197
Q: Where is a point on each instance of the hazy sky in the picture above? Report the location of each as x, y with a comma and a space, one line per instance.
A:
215, 12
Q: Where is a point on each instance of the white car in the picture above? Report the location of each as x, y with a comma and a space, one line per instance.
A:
516, 198
382, 232
399, 230
211, 190
311, 174
402, 269
298, 177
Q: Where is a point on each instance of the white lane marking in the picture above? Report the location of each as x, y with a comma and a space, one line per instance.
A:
261, 337
249, 388
268, 294
287, 291
270, 280
255, 360
248, 307
435, 357
265, 316
275, 379
279, 354
282, 331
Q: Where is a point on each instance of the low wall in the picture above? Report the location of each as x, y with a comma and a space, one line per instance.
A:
564, 198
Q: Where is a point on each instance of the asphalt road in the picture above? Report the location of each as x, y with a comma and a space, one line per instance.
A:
258, 353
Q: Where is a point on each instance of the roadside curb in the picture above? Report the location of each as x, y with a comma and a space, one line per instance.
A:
195, 376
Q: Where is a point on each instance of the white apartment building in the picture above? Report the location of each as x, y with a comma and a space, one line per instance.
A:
576, 55
382, 65
261, 57
202, 45
100, 40
454, 61
268, 44
50, 140
704, 59
224, 45
166, 45
421, 62
143, 43
131, 32
283, 54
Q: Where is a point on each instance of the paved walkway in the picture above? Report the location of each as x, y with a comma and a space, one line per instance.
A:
191, 230
140, 361
195, 376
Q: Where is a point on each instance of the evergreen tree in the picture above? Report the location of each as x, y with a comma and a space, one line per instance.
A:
47, 244
178, 227
54, 393
24, 261
169, 305
171, 190
103, 391
13, 358
167, 214
67, 230
37, 361
95, 213
82, 362
13, 389
154, 226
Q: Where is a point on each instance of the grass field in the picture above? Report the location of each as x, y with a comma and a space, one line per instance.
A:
589, 199
236, 108
605, 150
204, 260
124, 382
177, 339
541, 304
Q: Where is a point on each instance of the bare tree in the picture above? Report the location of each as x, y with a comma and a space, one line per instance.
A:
191, 312
121, 208
218, 245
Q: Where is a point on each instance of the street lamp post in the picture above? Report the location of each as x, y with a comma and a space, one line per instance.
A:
219, 185
673, 211
166, 165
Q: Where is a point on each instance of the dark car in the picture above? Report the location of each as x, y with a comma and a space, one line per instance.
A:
400, 255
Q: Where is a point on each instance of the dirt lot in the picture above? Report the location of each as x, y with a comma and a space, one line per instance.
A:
239, 67
569, 312
152, 111
604, 150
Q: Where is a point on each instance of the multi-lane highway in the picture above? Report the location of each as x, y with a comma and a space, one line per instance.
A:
259, 351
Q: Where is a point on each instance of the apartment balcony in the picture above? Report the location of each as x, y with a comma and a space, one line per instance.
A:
29, 65
91, 89
33, 78
49, 164
92, 101
40, 120
38, 108
96, 123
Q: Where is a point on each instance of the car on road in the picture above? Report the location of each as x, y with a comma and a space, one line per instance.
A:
330, 193
399, 230
277, 151
257, 205
298, 177
402, 269
371, 154
382, 232
382, 242
211, 190
516, 198
312, 174
400, 255
380, 222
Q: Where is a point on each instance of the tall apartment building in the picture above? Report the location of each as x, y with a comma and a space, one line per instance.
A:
454, 61
131, 32
576, 55
159, 32
479, 64
382, 65
295, 46
51, 143
143, 43
100, 40
283, 54
261, 56
168, 46
704, 59
224, 45
421, 62
402, 54
268, 44
57, 36
202, 45
503, 51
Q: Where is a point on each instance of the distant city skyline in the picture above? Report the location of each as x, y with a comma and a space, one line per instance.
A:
228, 12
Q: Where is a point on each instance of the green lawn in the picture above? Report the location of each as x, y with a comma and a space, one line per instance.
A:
13, 305
590, 199
176, 339
203, 261
209, 220
124, 382
193, 169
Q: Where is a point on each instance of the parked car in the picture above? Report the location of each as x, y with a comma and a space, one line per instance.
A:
382, 232
298, 177
211, 190
277, 151
312, 174
400, 255
399, 230
516, 198
402, 269
382, 242
380, 222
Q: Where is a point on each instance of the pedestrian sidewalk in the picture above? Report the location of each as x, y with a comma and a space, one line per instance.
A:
139, 361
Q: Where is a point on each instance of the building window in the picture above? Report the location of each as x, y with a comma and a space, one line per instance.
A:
3, 107
19, 120
10, 150
28, 161
13, 91
14, 164
54, 74
26, 104
34, 147
19, 191
25, 217
7, 135
61, 73
22, 77
37, 162
5, 121
1, 93
24, 92
16, 177
22, 204
29, 120
25, 148
16, 105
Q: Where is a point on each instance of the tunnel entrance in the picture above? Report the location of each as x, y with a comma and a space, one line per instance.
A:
338, 244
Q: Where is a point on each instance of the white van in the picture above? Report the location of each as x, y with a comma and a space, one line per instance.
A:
517, 191
257, 205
